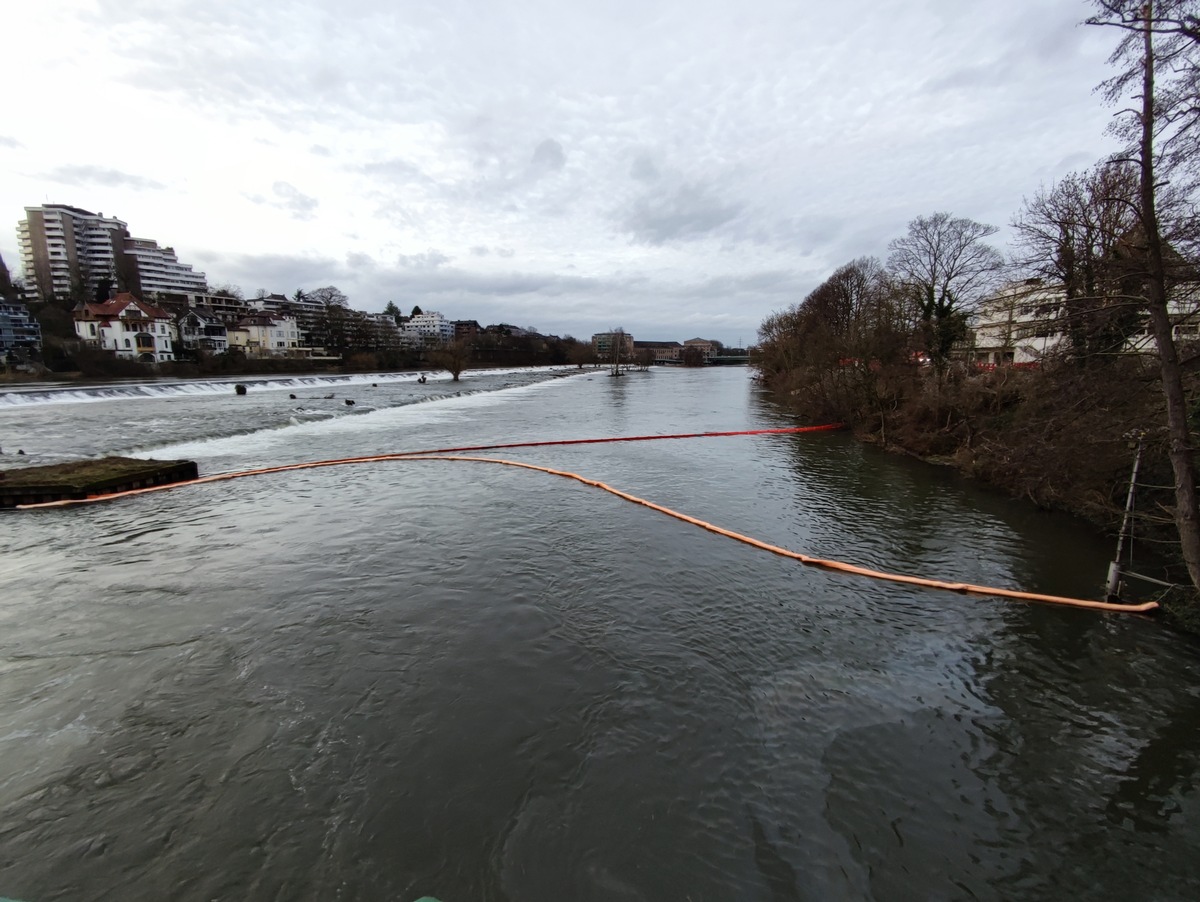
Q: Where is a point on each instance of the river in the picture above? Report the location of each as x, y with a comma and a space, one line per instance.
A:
476, 682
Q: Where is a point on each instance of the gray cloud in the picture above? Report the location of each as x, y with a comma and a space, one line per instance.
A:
548, 156
430, 259
643, 168
100, 175
743, 155
682, 213
6, 141
395, 169
287, 196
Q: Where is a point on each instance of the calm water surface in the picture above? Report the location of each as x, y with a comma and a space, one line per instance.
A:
483, 683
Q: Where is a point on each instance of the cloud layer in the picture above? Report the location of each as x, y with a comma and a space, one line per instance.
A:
674, 167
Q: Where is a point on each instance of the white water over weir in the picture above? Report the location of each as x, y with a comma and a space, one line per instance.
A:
63, 393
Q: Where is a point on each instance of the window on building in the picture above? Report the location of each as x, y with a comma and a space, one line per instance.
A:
127, 342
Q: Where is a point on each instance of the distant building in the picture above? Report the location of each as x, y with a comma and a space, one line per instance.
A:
230, 309
20, 333
664, 351
430, 327
309, 313
267, 335
159, 269
66, 249
466, 328
706, 346
202, 329
1026, 322
602, 344
128, 327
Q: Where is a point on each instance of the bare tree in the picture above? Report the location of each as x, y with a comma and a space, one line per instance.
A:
944, 269
1072, 237
1162, 130
616, 351
8, 291
453, 356
582, 353
329, 295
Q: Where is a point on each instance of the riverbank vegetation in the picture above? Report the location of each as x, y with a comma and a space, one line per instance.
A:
1102, 285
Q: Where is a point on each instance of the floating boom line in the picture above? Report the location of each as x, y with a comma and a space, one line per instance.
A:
458, 455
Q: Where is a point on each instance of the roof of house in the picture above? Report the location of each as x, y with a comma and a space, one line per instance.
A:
204, 314
657, 344
258, 319
114, 307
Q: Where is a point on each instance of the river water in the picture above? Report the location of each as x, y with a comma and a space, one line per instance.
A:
482, 683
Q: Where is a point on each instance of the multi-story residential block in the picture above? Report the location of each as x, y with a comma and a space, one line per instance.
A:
20, 333
128, 327
1025, 322
66, 249
226, 306
430, 327
159, 269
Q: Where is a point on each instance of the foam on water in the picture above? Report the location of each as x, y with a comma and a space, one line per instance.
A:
125, 391
448, 409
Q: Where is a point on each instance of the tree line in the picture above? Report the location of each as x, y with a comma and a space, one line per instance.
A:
1100, 257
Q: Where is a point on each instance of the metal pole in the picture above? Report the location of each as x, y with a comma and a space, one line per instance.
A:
1114, 569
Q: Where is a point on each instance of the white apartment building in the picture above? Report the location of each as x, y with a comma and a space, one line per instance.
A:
160, 270
1026, 321
430, 328
63, 246
128, 327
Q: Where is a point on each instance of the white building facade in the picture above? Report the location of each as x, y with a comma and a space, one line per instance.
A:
63, 248
430, 328
128, 327
1026, 322
264, 335
159, 270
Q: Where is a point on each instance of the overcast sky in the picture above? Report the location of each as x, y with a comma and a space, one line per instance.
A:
677, 168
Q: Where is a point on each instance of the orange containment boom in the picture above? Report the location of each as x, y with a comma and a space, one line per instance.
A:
442, 455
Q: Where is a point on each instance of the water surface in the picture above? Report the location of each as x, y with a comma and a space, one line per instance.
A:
477, 682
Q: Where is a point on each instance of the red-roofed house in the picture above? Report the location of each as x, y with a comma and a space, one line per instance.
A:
128, 327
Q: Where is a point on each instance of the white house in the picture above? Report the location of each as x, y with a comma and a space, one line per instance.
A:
128, 327
264, 335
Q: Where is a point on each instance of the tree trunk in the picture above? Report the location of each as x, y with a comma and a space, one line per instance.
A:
1187, 510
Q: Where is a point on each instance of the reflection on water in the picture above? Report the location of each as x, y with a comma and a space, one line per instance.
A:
477, 682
